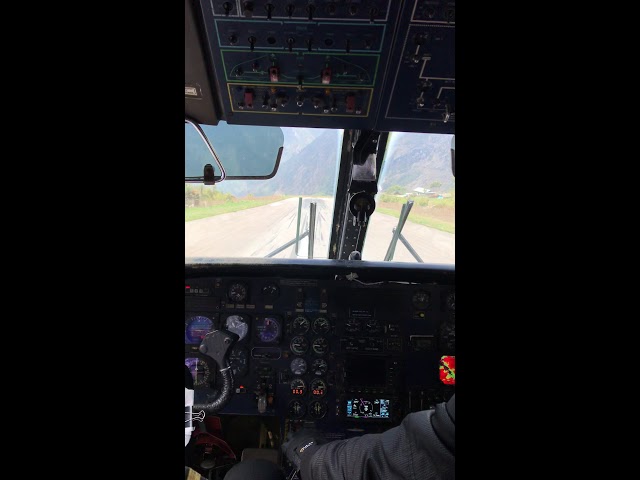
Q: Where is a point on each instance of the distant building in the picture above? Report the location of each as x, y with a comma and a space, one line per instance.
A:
421, 191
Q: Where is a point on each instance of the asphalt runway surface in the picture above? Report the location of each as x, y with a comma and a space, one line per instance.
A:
258, 231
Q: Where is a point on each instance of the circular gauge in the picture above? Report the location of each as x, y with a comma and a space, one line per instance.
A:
238, 325
239, 361
200, 371
447, 340
296, 409
298, 387
197, 328
372, 324
318, 388
300, 325
451, 301
317, 409
238, 292
270, 290
298, 366
352, 325
268, 329
321, 325
319, 367
320, 345
299, 345
421, 299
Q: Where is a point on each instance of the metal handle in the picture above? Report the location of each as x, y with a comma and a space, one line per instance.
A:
223, 173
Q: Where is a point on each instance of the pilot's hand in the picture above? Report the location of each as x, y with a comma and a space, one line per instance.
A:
301, 443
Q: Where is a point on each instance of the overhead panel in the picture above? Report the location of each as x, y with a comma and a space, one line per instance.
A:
300, 63
421, 85
335, 64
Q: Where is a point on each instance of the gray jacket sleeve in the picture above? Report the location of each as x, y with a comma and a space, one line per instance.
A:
410, 451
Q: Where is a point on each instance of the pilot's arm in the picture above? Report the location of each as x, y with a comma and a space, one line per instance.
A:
422, 447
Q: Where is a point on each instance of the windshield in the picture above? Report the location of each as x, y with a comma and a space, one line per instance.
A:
416, 173
263, 218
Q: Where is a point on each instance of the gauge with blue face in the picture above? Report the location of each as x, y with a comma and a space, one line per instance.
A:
268, 329
197, 328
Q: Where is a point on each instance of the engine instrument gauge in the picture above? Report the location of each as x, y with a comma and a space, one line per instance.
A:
239, 361
268, 329
318, 388
296, 409
238, 292
321, 325
451, 302
300, 325
320, 345
299, 345
270, 290
352, 325
200, 371
447, 338
319, 367
421, 299
372, 324
298, 387
317, 409
197, 328
298, 366
238, 325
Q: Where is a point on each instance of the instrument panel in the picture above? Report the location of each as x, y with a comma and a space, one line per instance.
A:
374, 64
331, 351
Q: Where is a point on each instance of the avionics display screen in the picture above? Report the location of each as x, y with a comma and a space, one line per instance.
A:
366, 371
361, 408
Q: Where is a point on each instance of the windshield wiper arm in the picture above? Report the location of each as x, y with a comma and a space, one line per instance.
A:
397, 235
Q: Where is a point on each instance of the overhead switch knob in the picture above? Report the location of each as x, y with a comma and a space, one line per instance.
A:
247, 9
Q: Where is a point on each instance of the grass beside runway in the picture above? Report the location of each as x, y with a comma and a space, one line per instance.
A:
218, 208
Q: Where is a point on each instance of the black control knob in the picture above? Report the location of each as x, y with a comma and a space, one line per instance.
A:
269, 8
331, 8
233, 39
290, 42
300, 100
252, 42
247, 9
310, 9
290, 9
430, 13
227, 6
373, 11
450, 15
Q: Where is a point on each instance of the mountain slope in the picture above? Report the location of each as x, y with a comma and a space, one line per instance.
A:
309, 164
